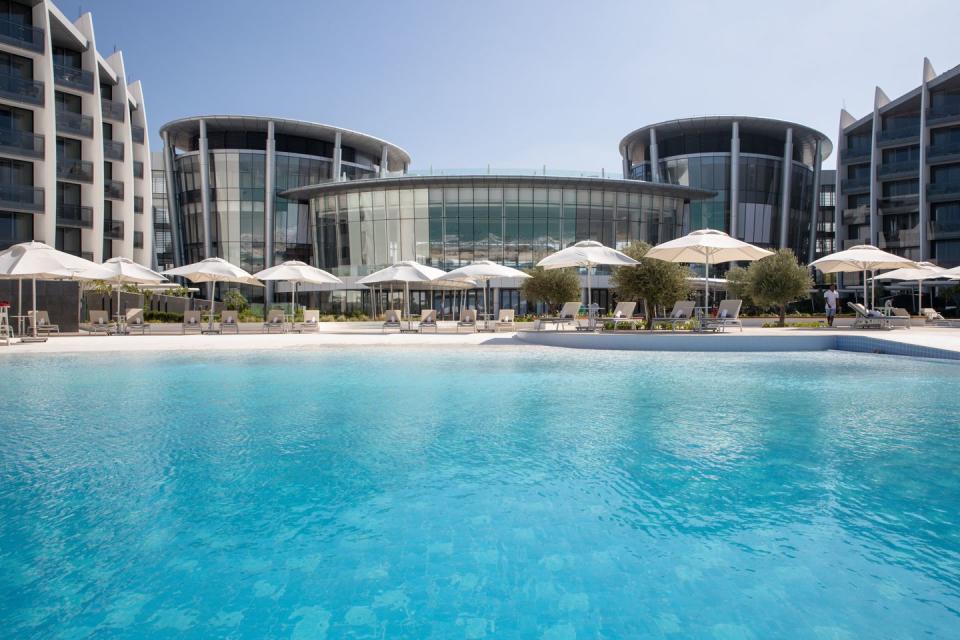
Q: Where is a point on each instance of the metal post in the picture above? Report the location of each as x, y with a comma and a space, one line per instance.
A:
815, 208
268, 197
785, 190
734, 179
654, 157
337, 158
173, 206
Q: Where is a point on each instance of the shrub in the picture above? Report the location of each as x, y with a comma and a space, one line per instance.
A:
551, 286
655, 282
235, 301
162, 316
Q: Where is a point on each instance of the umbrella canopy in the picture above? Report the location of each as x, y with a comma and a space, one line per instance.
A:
923, 271
589, 254
403, 273
862, 257
39, 261
706, 247
214, 270
297, 272
126, 271
483, 271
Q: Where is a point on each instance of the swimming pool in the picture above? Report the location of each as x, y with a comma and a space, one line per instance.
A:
483, 492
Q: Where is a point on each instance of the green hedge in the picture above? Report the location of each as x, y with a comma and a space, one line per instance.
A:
162, 316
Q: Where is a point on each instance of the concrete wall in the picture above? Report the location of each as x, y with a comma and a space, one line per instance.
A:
59, 299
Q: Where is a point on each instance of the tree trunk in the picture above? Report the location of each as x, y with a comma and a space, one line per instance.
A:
783, 315
647, 316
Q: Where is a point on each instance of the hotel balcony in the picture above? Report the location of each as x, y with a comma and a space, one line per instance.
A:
944, 229
902, 169
112, 150
16, 88
899, 204
113, 110
897, 136
139, 134
75, 170
113, 189
21, 198
137, 169
849, 185
113, 229
903, 238
72, 78
21, 143
943, 191
855, 155
74, 124
856, 215
943, 152
72, 215
944, 113
23, 36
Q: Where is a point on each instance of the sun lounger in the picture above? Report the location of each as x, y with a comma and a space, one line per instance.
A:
135, 322
900, 317
191, 322
568, 315
505, 320
681, 314
275, 322
622, 313
728, 315
428, 320
99, 322
391, 320
43, 323
868, 319
468, 320
311, 320
934, 318
228, 321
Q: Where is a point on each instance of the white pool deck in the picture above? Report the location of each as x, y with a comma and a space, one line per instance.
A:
932, 342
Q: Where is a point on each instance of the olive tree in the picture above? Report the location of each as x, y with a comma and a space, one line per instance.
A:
656, 283
777, 280
551, 286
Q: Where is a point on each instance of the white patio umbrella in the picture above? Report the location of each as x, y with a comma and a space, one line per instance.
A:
214, 270
296, 272
39, 261
706, 247
126, 271
862, 257
482, 271
403, 273
588, 254
923, 271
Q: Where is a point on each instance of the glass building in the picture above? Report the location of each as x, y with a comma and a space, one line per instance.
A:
765, 174
450, 221
226, 176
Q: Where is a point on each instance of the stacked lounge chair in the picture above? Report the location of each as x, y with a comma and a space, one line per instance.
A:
681, 314
728, 315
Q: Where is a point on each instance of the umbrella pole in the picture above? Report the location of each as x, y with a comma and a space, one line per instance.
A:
213, 288
486, 309
706, 287
35, 323
865, 287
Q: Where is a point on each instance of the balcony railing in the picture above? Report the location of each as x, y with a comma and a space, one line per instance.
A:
73, 78
21, 35
16, 88
112, 150
71, 169
944, 189
113, 189
945, 227
854, 184
139, 134
856, 215
113, 229
898, 133
137, 169
73, 215
943, 112
138, 204
21, 198
854, 155
138, 239
74, 123
896, 168
113, 110
24, 143
943, 149
905, 237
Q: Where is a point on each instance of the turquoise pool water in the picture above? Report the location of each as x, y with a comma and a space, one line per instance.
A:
499, 493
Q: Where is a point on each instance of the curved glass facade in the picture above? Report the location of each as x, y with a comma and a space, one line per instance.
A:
515, 223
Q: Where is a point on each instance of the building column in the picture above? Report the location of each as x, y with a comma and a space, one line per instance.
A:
815, 207
880, 99
205, 191
785, 187
924, 176
654, 157
269, 197
626, 162
337, 158
734, 179
384, 160
173, 206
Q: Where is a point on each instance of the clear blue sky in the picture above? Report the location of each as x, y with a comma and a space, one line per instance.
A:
521, 84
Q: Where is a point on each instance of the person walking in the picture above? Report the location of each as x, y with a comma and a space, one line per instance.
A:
832, 299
